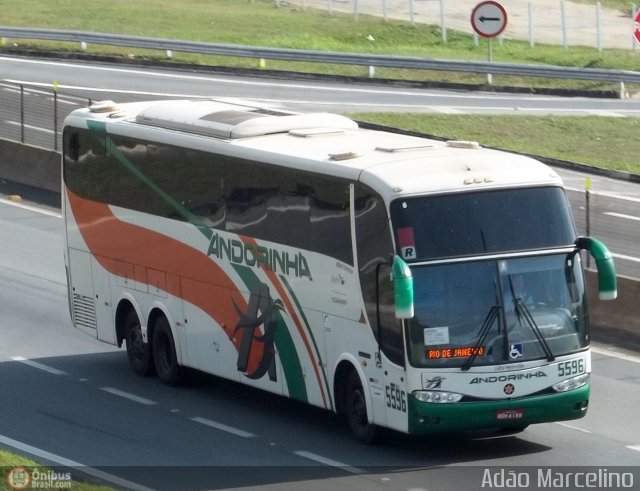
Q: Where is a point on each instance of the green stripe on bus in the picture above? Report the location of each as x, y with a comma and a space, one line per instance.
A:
288, 355
319, 354
181, 210
97, 126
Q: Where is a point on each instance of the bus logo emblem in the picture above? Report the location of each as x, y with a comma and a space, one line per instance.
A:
434, 383
262, 311
509, 389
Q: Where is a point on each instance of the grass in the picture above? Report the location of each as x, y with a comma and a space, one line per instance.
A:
9, 461
260, 23
623, 6
605, 142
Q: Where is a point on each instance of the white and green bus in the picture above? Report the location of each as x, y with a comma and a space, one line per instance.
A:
408, 283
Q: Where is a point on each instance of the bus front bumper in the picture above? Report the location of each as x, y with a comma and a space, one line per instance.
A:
510, 414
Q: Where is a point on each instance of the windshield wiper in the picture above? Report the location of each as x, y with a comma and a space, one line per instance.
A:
522, 309
484, 331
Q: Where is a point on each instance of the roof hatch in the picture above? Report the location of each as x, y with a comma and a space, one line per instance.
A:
229, 120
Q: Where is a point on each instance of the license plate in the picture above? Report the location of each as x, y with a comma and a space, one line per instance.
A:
509, 414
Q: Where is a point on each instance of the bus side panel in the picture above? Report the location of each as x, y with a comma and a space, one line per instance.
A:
208, 347
104, 311
83, 308
396, 396
351, 340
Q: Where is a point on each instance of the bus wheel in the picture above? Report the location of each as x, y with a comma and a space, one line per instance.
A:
138, 352
356, 409
164, 353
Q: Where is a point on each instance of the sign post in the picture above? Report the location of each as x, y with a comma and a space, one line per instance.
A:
489, 19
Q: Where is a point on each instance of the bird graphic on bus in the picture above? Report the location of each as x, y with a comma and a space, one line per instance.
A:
262, 310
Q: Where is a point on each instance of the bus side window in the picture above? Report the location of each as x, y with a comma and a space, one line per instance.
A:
201, 192
329, 218
72, 145
84, 162
389, 328
374, 246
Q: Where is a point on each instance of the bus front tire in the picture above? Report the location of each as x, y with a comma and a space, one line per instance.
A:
138, 352
164, 353
356, 409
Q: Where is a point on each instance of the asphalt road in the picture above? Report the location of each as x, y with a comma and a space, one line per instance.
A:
614, 215
614, 205
71, 400
121, 83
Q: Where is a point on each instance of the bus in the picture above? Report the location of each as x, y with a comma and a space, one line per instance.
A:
402, 282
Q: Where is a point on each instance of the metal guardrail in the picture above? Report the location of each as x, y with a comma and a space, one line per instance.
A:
362, 59
32, 118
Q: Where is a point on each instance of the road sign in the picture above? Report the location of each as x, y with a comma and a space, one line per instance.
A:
636, 26
488, 19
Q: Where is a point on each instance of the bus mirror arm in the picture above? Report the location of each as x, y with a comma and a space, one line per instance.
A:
403, 288
607, 282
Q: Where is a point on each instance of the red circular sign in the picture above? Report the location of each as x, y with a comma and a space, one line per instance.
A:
636, 26
489, 19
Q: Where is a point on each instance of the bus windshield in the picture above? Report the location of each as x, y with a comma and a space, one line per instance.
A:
485, 222
497, 311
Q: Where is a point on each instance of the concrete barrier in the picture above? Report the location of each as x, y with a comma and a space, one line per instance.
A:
615, 321
29, 165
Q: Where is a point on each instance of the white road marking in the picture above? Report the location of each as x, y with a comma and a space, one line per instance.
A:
573, 427
127, 395
627, 258
223, 427
255, 83
634, 447
621, 215
615, 354
605, 194
326, 461
604, 112
31, 127
22, 206
446, 110
39, 366
43, 454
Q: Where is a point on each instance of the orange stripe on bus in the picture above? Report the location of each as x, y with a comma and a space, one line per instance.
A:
120, 247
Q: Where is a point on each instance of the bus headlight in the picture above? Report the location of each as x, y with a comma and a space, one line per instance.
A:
572, 383
437, 397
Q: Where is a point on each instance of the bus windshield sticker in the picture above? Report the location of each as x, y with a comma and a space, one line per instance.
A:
436, 335
516, 351
407, 243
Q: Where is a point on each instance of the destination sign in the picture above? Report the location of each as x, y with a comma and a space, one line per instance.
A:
463, 352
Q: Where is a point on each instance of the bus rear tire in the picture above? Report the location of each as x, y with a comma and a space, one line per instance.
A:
356, 410
164, 353
138, 352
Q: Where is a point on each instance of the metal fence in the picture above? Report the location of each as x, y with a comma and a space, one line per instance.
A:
361, 59
560, 22
34, 115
